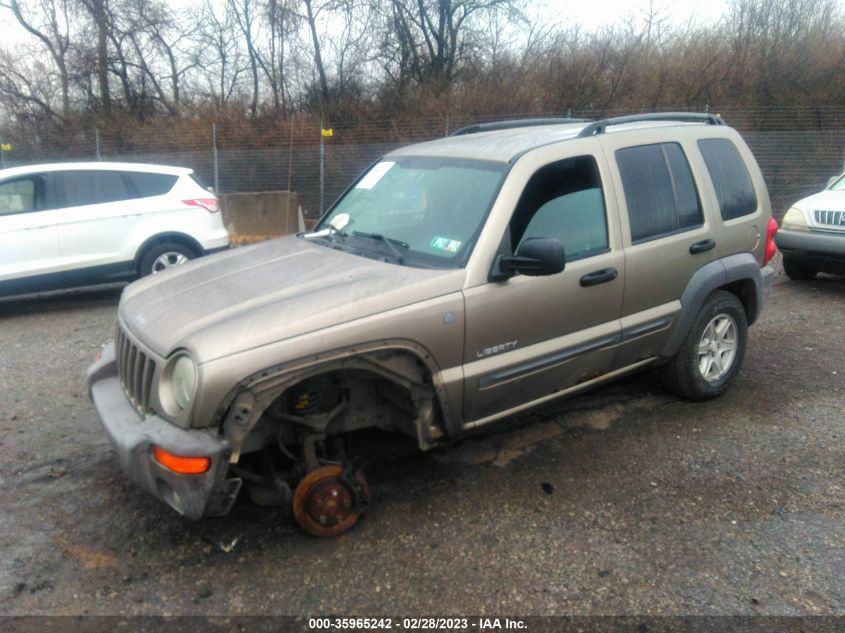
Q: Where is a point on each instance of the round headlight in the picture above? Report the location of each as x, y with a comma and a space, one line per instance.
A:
183, 380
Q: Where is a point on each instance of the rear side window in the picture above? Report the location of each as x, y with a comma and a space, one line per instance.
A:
146, 184
730, 177
94, 187
564, 200
21, 195
659, 190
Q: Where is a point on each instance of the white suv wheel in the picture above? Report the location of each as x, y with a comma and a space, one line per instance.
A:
168, 260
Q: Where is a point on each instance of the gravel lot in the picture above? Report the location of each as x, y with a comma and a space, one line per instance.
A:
624, 501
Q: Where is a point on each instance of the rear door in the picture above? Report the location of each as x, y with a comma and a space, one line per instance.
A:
98, 215
29, 245
666, 233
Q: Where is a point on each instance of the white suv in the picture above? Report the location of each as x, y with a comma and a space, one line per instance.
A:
73, 224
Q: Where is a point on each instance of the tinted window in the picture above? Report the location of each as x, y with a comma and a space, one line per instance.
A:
564, 201
730, 177
18, 196
93, 187
146, 184
659, 189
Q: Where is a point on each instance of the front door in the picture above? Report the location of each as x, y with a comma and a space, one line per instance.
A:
30, 258
531, 337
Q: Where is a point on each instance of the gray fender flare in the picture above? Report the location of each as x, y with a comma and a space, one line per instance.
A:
711, 277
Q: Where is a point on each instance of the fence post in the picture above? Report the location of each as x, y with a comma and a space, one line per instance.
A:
214, 156
324, 132
322, 166
447, 126
97, 142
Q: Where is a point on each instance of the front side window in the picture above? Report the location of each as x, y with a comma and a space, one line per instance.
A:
730, 177
838, 185
20, 195
564, 201
425, 211
93, 187
659, 190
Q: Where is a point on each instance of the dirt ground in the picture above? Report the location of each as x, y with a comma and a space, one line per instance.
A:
624, 501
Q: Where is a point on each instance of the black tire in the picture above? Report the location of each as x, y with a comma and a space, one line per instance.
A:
152, 261
797, 270
683, 374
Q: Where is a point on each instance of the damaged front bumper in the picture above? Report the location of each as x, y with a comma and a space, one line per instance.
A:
134, 438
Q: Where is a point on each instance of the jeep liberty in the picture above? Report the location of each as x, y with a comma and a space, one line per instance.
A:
455, 283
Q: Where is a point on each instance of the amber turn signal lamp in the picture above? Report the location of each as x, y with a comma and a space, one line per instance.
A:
180, 464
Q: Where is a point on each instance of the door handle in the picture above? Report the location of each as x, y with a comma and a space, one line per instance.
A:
599, 277
702, 246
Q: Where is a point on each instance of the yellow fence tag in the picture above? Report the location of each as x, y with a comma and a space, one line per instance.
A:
327, 132
6, 147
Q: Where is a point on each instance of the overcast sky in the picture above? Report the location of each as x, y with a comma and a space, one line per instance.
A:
590, 14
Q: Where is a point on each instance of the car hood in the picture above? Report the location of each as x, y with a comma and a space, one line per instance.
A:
827, 200
256, 295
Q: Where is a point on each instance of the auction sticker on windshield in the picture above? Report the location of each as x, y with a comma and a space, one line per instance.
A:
445, 244
374, 175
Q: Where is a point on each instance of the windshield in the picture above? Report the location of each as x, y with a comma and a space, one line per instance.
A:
839, 185
421, 211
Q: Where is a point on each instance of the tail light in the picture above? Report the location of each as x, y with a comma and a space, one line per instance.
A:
209, 204
771, 249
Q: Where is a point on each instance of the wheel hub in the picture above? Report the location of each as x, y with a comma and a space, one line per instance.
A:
329, 503
717, 347
329, 500
168, 260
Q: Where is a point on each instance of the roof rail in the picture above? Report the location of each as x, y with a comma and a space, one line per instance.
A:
599, 127
505, 125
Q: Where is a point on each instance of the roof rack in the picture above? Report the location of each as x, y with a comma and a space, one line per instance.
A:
599, 127
505, 125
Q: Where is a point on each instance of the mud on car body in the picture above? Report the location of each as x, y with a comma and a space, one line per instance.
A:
457, 282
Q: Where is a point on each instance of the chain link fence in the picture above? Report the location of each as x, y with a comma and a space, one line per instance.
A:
798, 149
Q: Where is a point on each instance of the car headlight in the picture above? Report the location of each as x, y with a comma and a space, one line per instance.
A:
179, 383
794, 220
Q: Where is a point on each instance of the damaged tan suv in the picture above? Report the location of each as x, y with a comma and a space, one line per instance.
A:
455, 283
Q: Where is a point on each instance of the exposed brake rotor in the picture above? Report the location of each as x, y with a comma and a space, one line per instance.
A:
330, 499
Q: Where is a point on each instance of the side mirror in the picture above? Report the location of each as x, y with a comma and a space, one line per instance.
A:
535, 257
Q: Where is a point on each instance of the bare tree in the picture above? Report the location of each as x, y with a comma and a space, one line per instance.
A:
435, 36
49, 22
220, 52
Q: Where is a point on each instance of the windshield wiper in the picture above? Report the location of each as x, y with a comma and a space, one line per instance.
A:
390, 242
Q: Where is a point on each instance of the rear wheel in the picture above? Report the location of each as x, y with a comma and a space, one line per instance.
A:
165, 256
712, 352
798, 270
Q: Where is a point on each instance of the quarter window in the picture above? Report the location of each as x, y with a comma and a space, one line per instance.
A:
659, 190
146, 184
564, 200
94, 187
730, 177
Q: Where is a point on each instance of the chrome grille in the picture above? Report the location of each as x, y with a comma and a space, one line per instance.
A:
135, 370
830, 218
